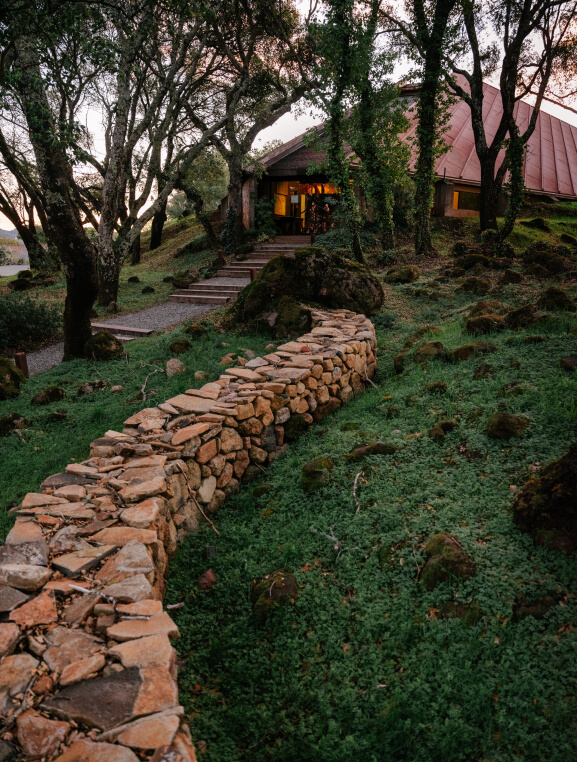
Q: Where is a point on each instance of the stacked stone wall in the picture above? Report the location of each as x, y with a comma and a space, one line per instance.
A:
87, 668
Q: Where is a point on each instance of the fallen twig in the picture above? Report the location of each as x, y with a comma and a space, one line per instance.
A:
143, 387
369, 380
183, 472
357, 503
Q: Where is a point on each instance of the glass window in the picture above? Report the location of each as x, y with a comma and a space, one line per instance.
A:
467, 200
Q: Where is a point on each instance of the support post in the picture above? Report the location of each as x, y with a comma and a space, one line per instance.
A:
21, 362
252, 273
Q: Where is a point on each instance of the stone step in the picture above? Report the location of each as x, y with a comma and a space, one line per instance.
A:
200, 299
208, 294
124, 330
209, 287
236, 272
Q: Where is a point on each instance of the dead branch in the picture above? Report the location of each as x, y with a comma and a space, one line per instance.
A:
357, 503
183, 472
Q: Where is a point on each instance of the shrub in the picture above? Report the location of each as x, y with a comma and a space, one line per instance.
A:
341, 238
25, 323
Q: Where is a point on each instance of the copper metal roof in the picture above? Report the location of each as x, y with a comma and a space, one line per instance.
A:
550, 159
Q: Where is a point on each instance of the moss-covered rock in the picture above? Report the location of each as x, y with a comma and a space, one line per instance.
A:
441, 428
12, 422
569, 364
483, 371
485, 324
569, 239
436, 387
11, 378
316, 474
312, 275
446, 561
180, 346
295, 427
521, 317
271, 592
371, 448
399, 363
49, 395
476, 285
473, 349
538, 223
538, 271
103, 346
546, 506
21, 284
134, 279
485, 307
474, 259
536, 607
555, 299
195, 330
262, 489
431, 350
503, 425
406, 274
511, 276
469, 613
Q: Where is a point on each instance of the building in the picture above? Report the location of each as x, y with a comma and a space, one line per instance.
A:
302, 201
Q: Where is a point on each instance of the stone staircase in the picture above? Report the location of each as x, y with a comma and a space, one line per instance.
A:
122, 332
222, 289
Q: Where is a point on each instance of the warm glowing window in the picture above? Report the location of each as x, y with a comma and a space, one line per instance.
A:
467, 200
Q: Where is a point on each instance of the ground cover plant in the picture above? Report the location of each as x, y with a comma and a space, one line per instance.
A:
367, 662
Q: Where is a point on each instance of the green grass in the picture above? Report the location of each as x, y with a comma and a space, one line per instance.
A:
361, 667
47, 446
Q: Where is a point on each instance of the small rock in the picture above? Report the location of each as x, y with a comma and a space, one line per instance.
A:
40, 737
447, 561
40, 610
142, 515
157, 730
431, 350
271, 592
103, 346
73, 564
441, 428
406, 274
207, 580
131, 590
200, 375
174, 367
82, 669
555, 298
142, 652
9, 637
467, 351
134, 279
66, 646
87, 751
316, 473
116, 389
195, 330
206, 490
148, 290
372, 448
24, 576
49, 395
180, 346
485, 324
135, 492
569, 363
15, 674
10, 598
132, 559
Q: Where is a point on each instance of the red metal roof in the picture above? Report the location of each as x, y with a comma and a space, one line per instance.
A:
550, 157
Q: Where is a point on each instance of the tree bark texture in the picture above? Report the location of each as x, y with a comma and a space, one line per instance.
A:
157, 227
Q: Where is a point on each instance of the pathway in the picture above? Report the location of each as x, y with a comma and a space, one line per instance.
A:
6, 270
193, 301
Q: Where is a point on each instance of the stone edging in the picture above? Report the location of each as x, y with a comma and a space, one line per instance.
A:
88, 671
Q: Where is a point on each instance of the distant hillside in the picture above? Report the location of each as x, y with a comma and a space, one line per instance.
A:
8, 233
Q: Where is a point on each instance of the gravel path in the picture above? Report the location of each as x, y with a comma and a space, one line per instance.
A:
158, 317
6, 270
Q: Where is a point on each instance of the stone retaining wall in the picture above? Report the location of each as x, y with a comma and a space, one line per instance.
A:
87, 669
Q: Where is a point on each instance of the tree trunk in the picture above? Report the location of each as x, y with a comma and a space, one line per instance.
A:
357, 248
108, 283
77, 253
36, 252
490, 191
197, 201
135, 251
235, 200
156, 228
424, 175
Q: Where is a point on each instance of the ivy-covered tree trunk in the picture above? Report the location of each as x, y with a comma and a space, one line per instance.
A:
515, 160
156, 228
198, 203
235, 197
76, 251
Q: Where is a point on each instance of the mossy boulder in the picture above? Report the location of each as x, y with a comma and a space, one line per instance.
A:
538, 271
503, 425
134, 279
431, 350
546, 506
469, 613
295, 427
399, 363
476, 285
521, 317
148, 290
271, 592
569, 364
436, 387
262, 489
536, 607
180, 346
441, 428
371, 448
555, 299
471, 260
511, 276
473, 349
406, 274
24, 274
11, 378
570, 239
312, 275
316, 474
538, 223
446, 561
103, 346
485, 324
49, 395
485, 307
12, 422
195, 330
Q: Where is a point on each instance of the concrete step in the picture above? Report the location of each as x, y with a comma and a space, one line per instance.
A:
236, 272
124, 330
209, 287
200, 299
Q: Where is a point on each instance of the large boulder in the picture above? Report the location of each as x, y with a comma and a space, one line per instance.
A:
10, 379
103, 346
272, 301
546, 506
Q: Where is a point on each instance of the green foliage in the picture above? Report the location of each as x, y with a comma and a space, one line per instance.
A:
367, 664
5, 256
263, 221
342, 238
25, 323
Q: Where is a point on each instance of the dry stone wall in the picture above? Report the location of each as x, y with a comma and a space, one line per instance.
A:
87, 668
